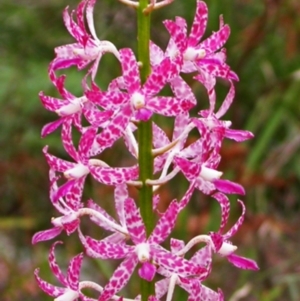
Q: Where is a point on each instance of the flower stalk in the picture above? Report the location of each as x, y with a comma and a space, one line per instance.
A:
145, 136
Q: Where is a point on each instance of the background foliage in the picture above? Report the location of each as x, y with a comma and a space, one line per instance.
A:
264, 49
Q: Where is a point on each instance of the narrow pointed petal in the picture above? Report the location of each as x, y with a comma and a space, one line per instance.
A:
177, 35
159, 77
216, 40
134, 222
66, 137
160, 138
46, 234
116, 127
181, 121
225, 208
182, 90
51, 103
73, 197
121, 194
174, 263
187, 196
238, 135
165, 224
156, 54
74, 272
56, 163
54, 266
107, 100
229, 187
63, 190
107, 250
130, 69
191, 170
227, 101
120, 278
161, 287
242, 262
238, 224
51, 127
48, 288
169, 106
199, 24
114, 176
86, 142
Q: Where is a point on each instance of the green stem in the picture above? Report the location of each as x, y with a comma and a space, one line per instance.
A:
145, 138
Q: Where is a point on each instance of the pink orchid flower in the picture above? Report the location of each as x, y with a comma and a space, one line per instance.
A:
71, 290
146, 251
88, 47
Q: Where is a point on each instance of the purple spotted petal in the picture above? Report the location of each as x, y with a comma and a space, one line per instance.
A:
130, 69
48, 288
177, 34
74, 272
169, 106
227, 101
119, 278
216, 40
86, 142
73, 196
176, 245
107, 100
159, 77
160, 138
203, 257
56, 163
52, 103
66, 137
182, 90
199, 23
51, 127
161, 287
238, 224
54, 266
174, 263
64, 189
165, 224
121, 194
106, 250
116, 127
225, 207
156, 54
189, 169
187, 196
114, 176
209, 294
134, 222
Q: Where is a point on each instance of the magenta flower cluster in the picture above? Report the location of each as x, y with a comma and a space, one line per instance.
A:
114, 114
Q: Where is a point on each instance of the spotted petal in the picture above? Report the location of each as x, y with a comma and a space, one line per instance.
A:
74, 271
107, 250
134, 222
119, 278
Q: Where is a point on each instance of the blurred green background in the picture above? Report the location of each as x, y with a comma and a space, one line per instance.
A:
264, 50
